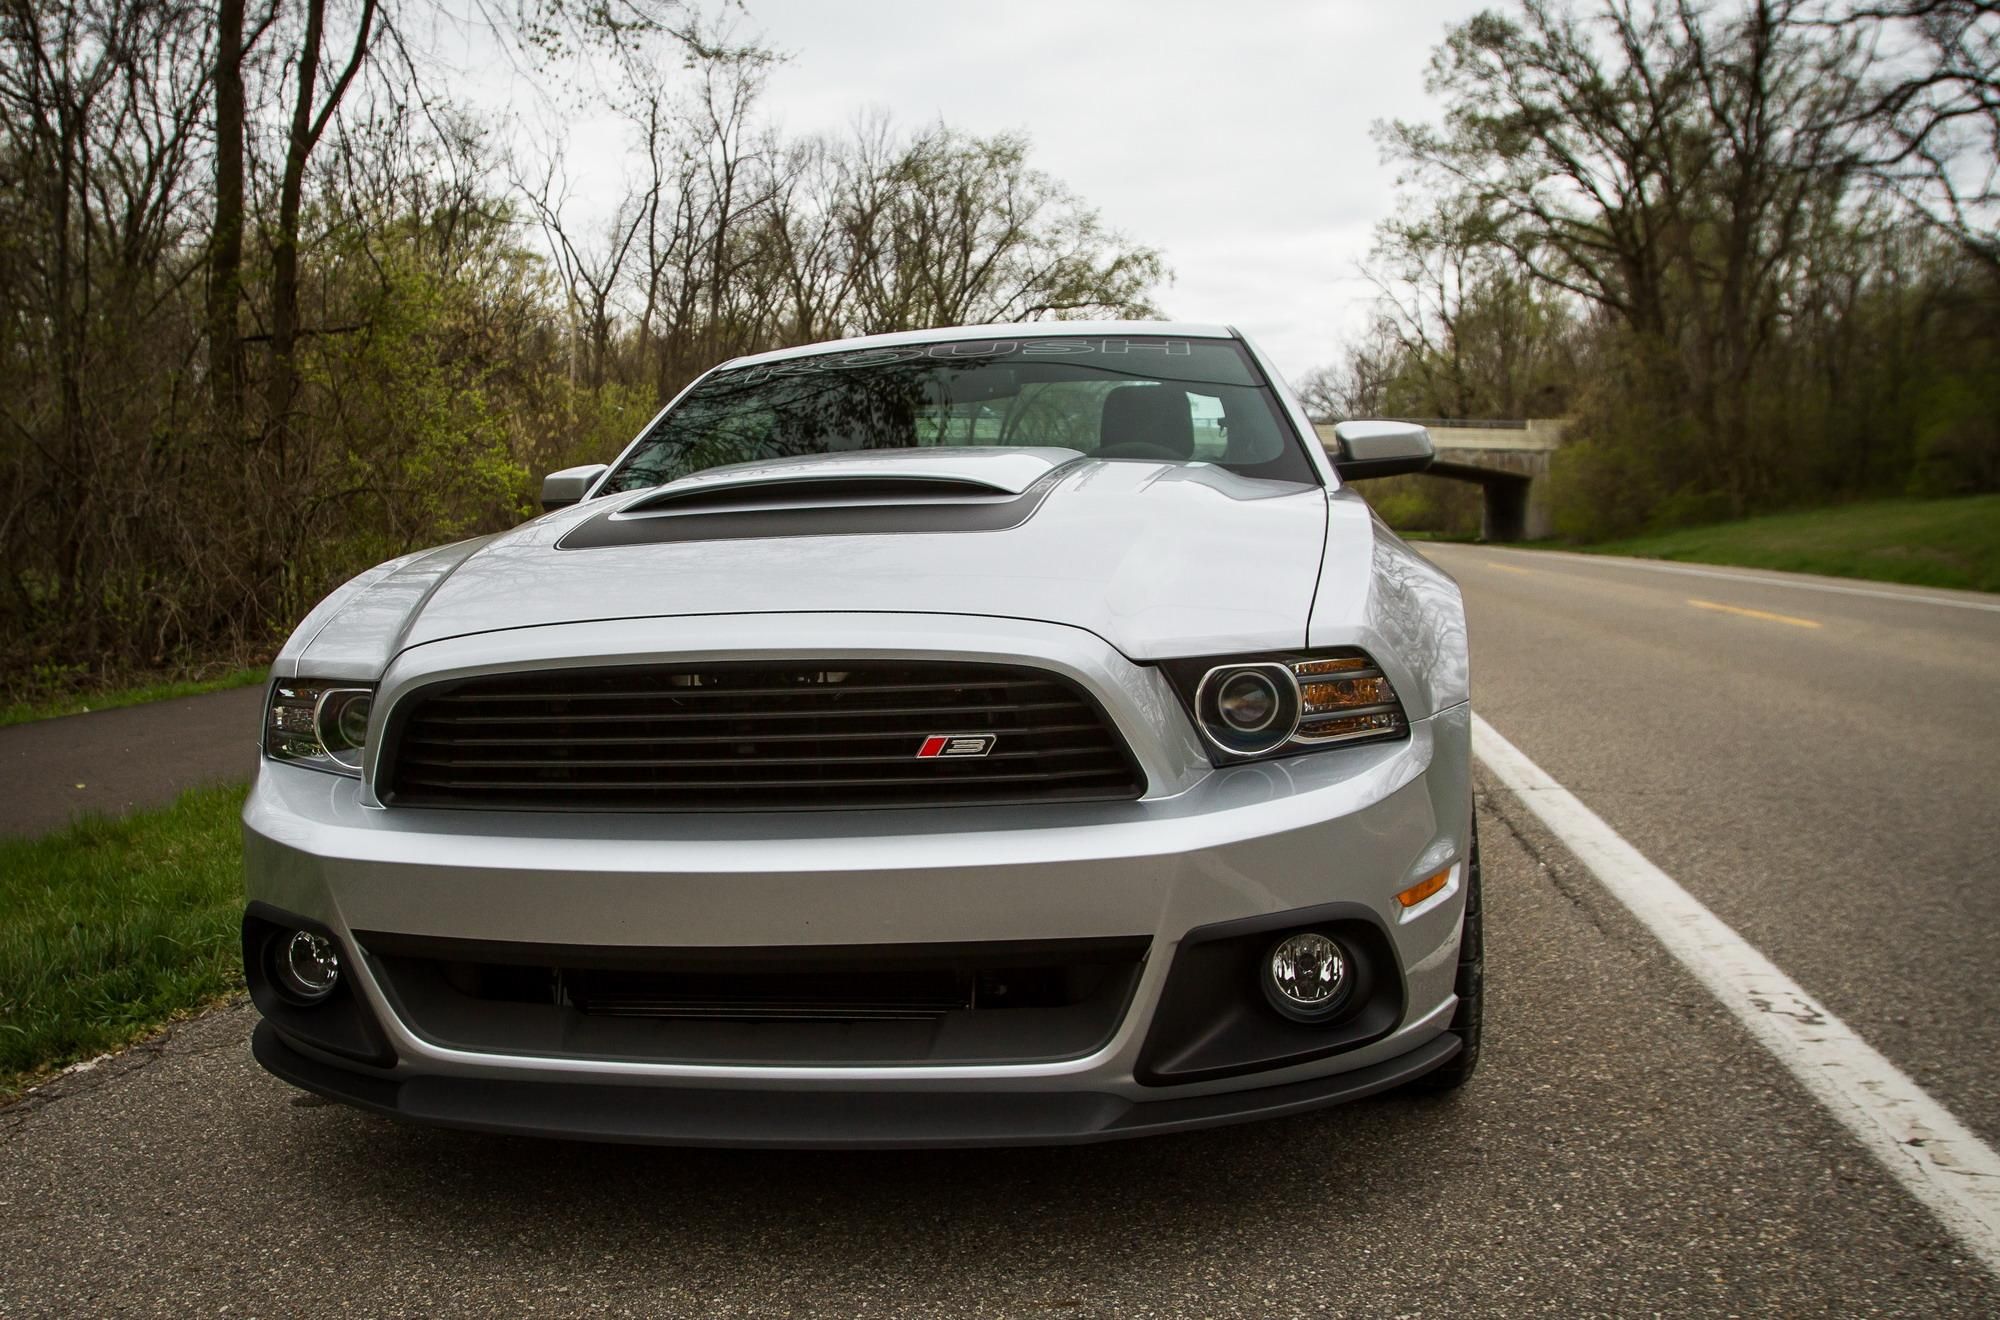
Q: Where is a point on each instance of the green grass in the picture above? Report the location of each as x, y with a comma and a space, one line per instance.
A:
1441, 537
74, 703
1929, 543
111, 928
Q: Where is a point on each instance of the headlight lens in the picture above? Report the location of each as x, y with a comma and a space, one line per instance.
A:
1247, 710
1281, 705
1248, 700
322, 725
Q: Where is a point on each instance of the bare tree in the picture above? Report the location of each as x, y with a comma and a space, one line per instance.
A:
1670, 164
954, 230
233, 43
101, 105
1359, 386
310, 115
592, 271
272, 307
1935, 103
801, 241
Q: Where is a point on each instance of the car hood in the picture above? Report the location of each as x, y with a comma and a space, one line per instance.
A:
1159, 559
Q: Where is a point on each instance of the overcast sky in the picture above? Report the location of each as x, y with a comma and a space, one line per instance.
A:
1230, 134
1233, 135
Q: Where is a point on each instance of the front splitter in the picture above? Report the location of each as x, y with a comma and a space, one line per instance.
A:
817, 1120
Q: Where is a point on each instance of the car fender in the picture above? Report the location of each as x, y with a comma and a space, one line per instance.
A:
1376, 593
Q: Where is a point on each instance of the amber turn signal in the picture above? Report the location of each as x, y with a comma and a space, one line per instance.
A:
1423, 889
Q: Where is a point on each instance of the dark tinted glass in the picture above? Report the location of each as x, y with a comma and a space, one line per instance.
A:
1182, 400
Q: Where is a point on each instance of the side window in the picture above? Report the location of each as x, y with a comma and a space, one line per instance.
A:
1211, 427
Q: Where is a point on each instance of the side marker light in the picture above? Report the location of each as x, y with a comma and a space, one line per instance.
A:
1423, 889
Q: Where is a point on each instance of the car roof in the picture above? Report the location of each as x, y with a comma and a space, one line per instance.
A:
1035, 329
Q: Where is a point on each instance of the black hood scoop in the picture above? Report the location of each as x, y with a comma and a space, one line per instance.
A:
815, 492
831, 505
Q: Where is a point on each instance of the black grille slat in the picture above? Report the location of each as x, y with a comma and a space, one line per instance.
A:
1043, 731
681, 717
876, 781
751, 736
727, 694
675, 762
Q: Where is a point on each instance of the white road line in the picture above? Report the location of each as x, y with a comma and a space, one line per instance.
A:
1654, 566
1936, 1157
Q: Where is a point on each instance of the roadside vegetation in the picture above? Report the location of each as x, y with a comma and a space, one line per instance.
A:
259, 331
1949, 542
1930, 543
1750, 248
77, 701
110, 929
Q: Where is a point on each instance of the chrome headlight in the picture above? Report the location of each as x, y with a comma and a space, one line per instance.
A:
1258, 706
321, 725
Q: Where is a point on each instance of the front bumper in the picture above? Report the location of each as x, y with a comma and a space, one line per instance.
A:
1350, 827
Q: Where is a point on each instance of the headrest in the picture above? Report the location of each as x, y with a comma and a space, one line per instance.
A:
1155, 415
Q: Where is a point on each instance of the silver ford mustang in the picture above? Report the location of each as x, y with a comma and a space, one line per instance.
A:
1000, 735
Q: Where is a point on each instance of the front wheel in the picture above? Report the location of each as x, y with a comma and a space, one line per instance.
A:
1470, 987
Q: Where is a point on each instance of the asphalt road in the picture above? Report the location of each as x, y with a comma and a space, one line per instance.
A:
1817, 766
110, 762
1626, 1148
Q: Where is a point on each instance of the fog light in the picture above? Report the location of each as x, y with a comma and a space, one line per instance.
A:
1307, 976
308, 967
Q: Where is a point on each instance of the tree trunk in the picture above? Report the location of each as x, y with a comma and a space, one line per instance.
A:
285, 251
307, 125
225, 262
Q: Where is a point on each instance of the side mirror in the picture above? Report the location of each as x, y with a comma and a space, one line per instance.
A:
1381, 449
569, 486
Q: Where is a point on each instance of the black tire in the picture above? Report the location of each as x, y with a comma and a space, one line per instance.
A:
1470, 987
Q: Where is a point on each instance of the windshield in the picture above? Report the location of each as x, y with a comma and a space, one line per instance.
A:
1145, 397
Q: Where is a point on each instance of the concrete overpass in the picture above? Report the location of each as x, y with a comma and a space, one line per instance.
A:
1509, 460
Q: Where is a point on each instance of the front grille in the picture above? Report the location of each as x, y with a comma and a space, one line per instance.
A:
754, 736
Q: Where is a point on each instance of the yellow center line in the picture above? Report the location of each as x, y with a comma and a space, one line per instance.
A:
1755, 614
1508, 568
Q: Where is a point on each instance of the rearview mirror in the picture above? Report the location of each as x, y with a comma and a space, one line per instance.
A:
1380, 449
984, 384
569, 486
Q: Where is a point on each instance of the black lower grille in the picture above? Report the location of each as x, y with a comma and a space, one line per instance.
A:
862, 995
991, 1002
755, 737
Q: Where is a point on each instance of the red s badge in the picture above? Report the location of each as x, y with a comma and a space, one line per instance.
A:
956, 744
